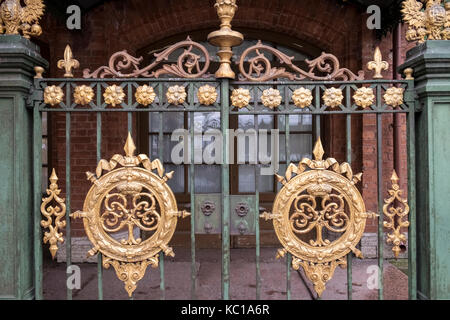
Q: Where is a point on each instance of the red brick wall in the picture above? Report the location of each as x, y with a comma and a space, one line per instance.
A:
135, 24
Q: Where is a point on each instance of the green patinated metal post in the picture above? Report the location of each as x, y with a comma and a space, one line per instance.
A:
19, 196
412, 236
37, 165
431, 64
225, 193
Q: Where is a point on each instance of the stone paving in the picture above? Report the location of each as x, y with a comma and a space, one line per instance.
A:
242, 278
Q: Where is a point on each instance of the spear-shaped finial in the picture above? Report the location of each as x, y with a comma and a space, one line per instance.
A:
377, 64
394, 177
130, 147
53, 180
68, 63
318, 150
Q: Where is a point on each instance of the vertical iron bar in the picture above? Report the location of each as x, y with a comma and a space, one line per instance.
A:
412, 237
162, 285
317, 127
349, 160
193, 213
37, 172
130, 122
99, 256
288, 159
257, 231
68, 194
225, 193
380, 204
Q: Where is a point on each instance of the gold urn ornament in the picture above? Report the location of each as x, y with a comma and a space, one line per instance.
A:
123, 202
225, 38
322, 196
433, 23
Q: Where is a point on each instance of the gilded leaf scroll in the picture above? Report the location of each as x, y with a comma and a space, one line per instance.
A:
311, 201
396, 215
125, 201
58, 212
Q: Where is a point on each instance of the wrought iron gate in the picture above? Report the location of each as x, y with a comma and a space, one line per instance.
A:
325, 89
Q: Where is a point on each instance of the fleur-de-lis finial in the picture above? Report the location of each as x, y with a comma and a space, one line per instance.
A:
318, 150
130, 147
68, 63
377, 64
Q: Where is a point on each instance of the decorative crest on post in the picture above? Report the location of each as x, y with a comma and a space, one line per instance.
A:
15, 19
225, 38
377, 64
431, 23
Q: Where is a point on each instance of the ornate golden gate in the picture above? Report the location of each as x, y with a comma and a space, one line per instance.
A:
319, 214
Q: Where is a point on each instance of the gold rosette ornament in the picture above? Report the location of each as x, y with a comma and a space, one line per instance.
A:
394, 96
333, 97
302, 97
145, 95
364, 97
240, 98
176, 95
114, 95
125, 202
319, 216
271, 98
53, 95
83, 95
207, 95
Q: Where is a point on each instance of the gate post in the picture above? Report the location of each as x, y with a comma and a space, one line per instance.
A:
18, 57
431, 64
